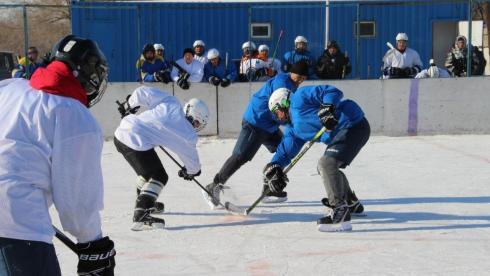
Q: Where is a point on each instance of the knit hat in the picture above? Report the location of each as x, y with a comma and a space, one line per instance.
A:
188, 50
300, 68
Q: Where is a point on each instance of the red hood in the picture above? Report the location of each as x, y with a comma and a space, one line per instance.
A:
58, 79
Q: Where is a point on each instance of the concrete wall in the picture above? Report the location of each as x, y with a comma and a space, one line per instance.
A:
393, 107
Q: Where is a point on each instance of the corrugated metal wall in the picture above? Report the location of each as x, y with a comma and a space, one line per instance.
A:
122, 28
176, 25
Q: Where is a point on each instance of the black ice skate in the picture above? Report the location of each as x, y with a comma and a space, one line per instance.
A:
272, 197
215, 189
159, 207
355, 206
336, 220
142, 220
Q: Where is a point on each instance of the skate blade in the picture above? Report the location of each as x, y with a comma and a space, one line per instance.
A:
339, 227
273, 199
141, 226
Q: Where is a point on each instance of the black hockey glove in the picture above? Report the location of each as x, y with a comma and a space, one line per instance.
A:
96, 257
327, 117
214, 80
124, 108
187, 176
395, 72
162, 76
275, 178
410, 71
225, 82
182, 81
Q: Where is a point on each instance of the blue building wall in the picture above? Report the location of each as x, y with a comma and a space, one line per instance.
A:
121, 29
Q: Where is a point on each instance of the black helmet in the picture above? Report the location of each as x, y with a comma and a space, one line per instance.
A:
148, 48
86, 59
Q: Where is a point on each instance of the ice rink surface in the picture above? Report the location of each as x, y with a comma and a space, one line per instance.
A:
427, 200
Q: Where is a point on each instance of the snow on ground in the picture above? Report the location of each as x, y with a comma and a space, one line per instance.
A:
427, 199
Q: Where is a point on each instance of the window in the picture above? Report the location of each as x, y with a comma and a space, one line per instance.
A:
261, 30
368, 28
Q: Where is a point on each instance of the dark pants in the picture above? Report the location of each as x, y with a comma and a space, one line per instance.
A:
248, 143
344, 147
145, 163
26, 258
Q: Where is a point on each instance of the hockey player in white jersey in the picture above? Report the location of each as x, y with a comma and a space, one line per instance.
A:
273, 64
251, 68
50, 152
200, 51
401, 61
190, 70
164, 123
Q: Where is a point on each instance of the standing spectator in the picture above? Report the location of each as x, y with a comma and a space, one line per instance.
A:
151, 67
457, 58
333, 64
217, 72
401, 62
160, 50
300, 52
251, 67
190, 70
199, 51
21, 69
273, 65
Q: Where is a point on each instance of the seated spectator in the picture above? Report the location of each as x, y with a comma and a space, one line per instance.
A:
20, 71
199, 51
333, 64
151, 67
300, 52
251, 67
457, 59
187, 70
433, 72
217, 72
273, 65
401, 62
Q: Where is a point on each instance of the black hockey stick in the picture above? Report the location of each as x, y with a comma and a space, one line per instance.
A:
228, 205
293, 162
64, 239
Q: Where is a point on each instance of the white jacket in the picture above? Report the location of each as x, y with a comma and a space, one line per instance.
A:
163, 124
254, 63
50, 152
202, 59
195, 70
409, 58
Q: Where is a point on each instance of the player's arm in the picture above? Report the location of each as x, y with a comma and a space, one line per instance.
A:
288, 148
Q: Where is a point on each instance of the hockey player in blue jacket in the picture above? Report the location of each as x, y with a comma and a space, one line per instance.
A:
152, 67
258, 128
300, 52
217, 72
308, 110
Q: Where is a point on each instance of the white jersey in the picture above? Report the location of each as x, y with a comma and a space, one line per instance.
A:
202, 59
50, 152
274, 64
195, 70
254, 63
163, 124
409, 58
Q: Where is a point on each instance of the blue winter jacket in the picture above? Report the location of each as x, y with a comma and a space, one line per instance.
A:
291, 57
146, 69
219, 71
257, 112
304, 107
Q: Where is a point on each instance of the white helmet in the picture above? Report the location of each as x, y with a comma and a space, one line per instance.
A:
263, 47
213, 53
402, 36
248, 44
197, 112
433, 70
198, 43
158, 47
279, 99
299, 39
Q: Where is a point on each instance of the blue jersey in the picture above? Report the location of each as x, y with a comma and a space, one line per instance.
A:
146, 68
20, 70
291, 57
219, 71
304, 107
257, 112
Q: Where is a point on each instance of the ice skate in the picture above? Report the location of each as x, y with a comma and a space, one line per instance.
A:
214, 189
355, 206
142, 220
336, 220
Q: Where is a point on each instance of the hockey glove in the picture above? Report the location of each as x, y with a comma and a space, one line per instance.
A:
187, 176
214, 80
225, 82
275, 178
395, 72
162, 76
96, 257
327, 117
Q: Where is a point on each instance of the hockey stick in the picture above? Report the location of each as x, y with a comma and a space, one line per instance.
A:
228, 205
390, 45
281, 34
64, 239
293, 162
